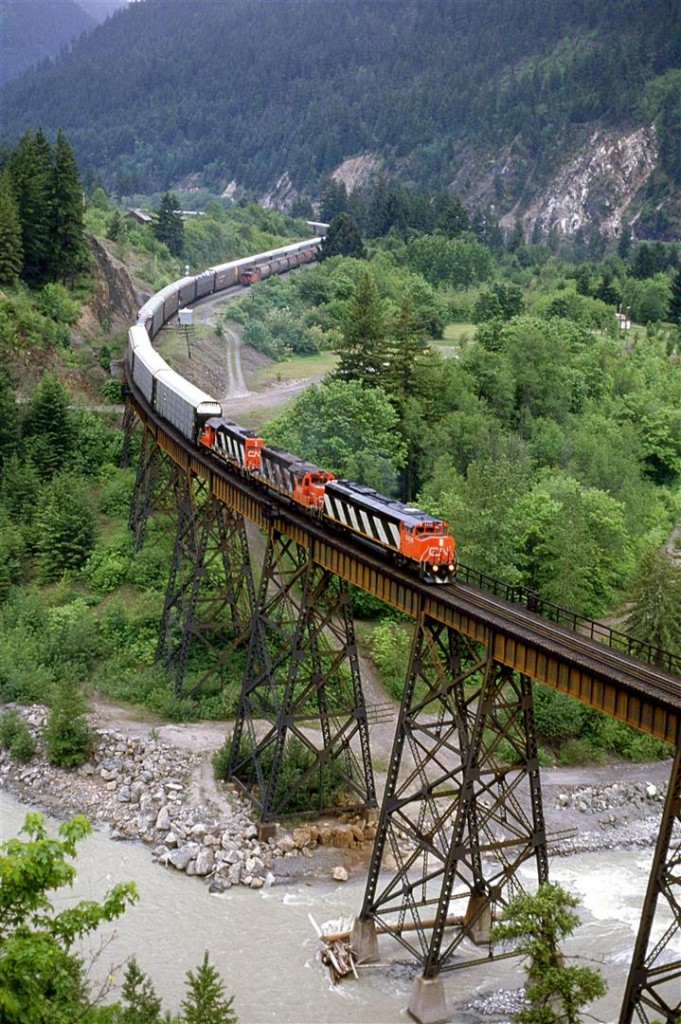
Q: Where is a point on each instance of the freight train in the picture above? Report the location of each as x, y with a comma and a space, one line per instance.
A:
407, 535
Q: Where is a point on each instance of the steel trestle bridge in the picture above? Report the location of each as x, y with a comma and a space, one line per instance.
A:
462, 807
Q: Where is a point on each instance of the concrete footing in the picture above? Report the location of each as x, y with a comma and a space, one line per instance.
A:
478, 919
364, 941
266, 830
427, 1001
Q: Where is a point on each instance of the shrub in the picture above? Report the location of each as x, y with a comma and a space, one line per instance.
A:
389, 646
16, 737
68, 738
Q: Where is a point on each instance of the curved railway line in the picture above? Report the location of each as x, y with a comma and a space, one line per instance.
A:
458, 808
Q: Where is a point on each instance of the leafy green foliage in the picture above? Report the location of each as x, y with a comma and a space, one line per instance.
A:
41, 976
302, 786
16, 737
554, 993
389, 644
345, 428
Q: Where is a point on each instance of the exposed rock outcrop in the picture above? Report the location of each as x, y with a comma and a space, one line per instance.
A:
115, 299
599, 186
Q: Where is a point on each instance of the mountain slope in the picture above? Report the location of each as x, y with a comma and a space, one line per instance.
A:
32, 30
449, 90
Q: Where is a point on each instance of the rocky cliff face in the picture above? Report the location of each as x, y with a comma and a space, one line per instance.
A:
602, 185
115, 298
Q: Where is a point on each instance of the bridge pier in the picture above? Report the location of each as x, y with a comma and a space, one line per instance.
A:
302, 686
462, 807
427, 1003
653, 989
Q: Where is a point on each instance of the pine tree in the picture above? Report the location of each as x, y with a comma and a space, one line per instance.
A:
675, 300
362, 350
554, 993
9, 421
31, 169
655, 615
11, 250
65, 528
333, 200
70, 255
67, 735
205, 1002
169, 226
405, 348
343, 239
49, 427
143, 1005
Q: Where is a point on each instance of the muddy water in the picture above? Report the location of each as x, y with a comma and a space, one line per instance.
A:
266, 950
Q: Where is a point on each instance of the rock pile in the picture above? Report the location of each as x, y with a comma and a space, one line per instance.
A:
143, 790
602, 817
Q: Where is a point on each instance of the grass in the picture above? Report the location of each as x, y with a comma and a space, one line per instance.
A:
294, 368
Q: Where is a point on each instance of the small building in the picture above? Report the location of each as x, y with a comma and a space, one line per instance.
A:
623, 321
139, 216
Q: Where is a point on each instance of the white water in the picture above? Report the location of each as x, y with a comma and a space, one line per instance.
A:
266, 951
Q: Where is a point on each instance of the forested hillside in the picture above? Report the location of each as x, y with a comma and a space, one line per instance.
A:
33, 30
493, 95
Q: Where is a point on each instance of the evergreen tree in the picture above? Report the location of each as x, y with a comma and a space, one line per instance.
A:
11, 250
405, 349
655, 615
70, 255
675, 300
343, 239
554, 993
624, 243
169, 226
67, 735
362, 349
451, 216
31, 169
143, 1006
65, 528
49, 427
205, 1002
9, 421
333, 201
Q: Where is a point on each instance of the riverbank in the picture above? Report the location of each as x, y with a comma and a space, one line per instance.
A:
152, 782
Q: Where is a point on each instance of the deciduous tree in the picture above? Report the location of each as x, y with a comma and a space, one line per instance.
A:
350, 430
41, 976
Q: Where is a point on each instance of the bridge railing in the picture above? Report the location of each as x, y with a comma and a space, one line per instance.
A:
534, 602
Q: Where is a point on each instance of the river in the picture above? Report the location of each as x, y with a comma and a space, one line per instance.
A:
266, 951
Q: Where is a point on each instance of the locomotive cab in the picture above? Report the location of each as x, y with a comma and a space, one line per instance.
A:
249, 275
310, 487
428, 542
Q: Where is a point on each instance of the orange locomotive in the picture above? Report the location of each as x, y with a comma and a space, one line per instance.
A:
413, 537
